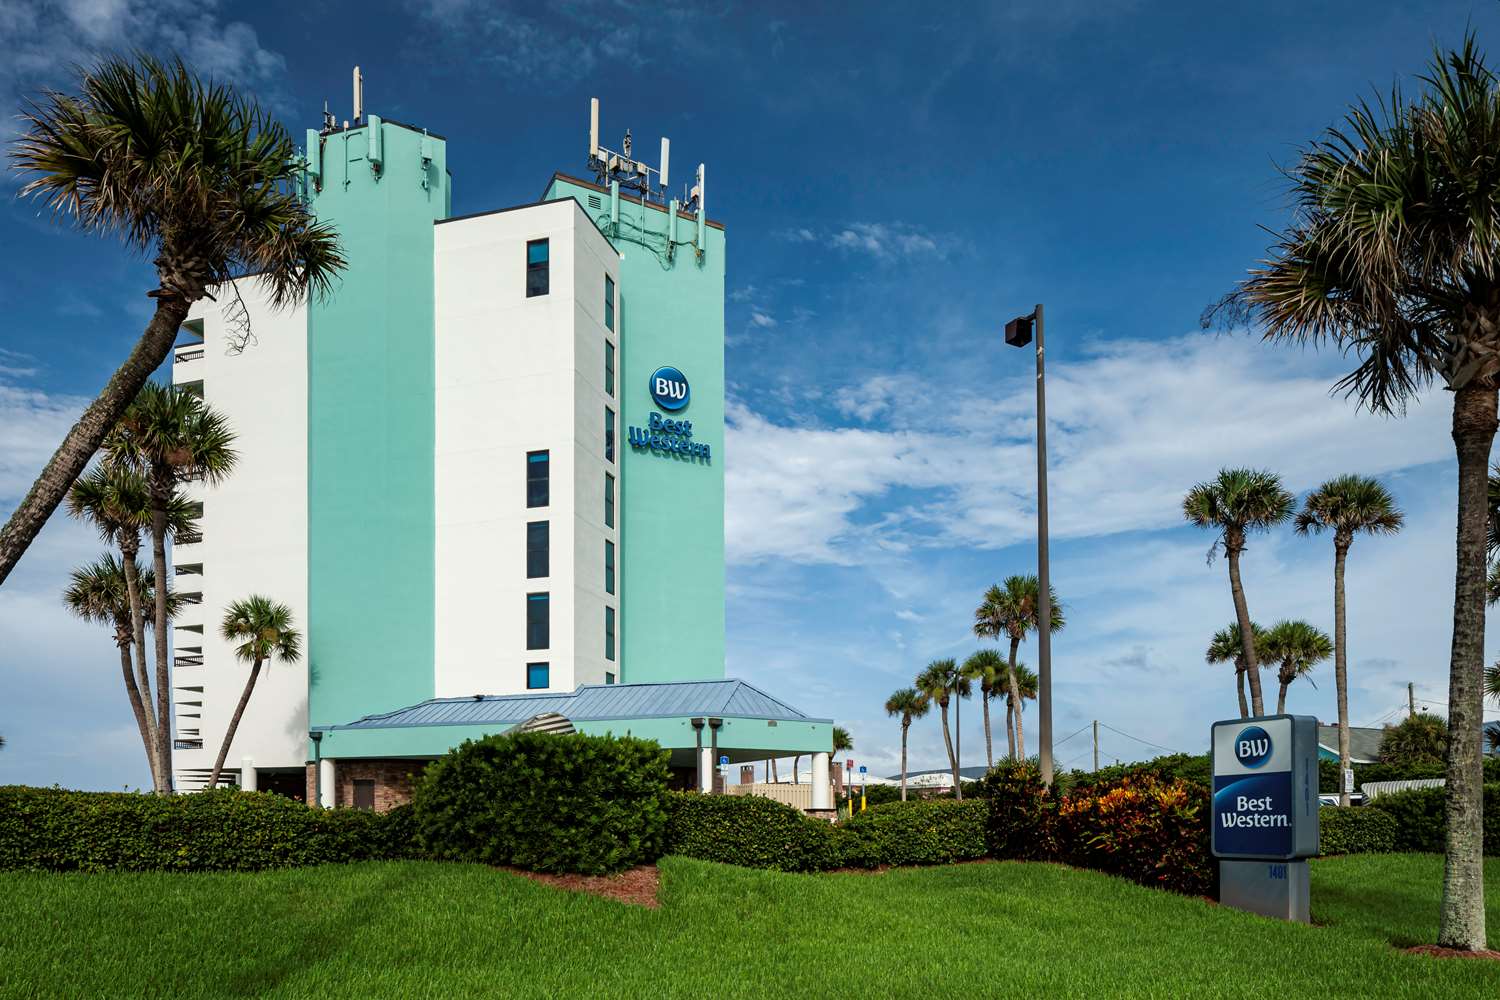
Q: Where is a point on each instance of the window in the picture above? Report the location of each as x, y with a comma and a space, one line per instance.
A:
609, 368
537, 632
609, 633
537, 475
538, 675
609, 678
536, 549
609, 500
609, 434
364, 794
609, 303
536, 268
609, 567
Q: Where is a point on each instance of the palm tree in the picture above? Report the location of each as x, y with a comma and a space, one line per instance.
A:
941, 681
1226, 647
1393, 254
1234, 504
187, 172
1012, 609
909, 704
263, 630
1348, 505
116, 501
169, 436
1295, 647
1492, 682
988, 669
1026, 683
100, 593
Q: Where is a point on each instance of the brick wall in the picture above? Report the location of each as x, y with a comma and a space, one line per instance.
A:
393, 781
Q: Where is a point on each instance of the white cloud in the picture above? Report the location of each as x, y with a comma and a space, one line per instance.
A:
762, 320
1132, 425
887, 241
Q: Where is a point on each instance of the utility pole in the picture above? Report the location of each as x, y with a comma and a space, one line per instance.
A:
1096, 746
1411, 700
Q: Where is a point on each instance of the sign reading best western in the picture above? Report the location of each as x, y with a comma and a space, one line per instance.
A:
1265, 801
665, 436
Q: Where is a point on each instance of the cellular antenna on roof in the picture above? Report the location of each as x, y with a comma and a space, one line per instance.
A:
632, 174
329, 122
359, 96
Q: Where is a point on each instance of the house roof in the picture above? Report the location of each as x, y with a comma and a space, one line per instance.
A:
593, 702
1364, 742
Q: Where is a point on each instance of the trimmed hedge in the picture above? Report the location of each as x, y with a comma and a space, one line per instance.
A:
1420, 825
1148, 830
1356, 830
750, 831
55, 829
1329, 779
546, 802
1022, 821
1196, 768
939, 832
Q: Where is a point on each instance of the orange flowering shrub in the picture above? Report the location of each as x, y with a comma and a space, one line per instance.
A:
1142, 828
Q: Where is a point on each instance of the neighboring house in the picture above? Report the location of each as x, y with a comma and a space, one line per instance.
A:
1364, 743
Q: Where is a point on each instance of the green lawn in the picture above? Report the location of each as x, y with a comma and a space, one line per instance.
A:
434, 930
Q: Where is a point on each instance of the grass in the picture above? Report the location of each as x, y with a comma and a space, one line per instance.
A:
432, 930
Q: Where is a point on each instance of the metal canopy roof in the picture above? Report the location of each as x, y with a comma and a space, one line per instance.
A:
731, 698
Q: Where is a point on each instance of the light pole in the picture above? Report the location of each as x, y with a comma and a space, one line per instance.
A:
1018, 334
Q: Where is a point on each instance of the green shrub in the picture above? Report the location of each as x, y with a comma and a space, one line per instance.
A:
1196, 768
915, 833
1145, 829
750, 831
1356, 830
1420, 739
1420, 824
1020, 824
545, 802
221, 830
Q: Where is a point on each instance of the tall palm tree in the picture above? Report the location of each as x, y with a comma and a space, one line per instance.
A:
116, 501
99, 593
186, 172
1348, 505
909, 704
987, 668
1234, 504
170, 436
1295, 647
1226, 647
263, 631
1012, 609
941, 681
1393, 254
1026, 683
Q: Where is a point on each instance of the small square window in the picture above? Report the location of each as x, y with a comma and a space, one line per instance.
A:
609, 566
609, 633
609, 434
537, 268
538, 675
538, 474
537, 549
609, 368
609, 500
609, 678
609, 303
538, 619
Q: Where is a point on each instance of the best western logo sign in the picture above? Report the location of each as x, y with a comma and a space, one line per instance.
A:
664, 436
1265, 802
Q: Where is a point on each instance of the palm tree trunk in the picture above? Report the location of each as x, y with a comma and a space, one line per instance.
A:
137, 708
989, 747
83, 439
773, 771
1247, 634
1281, 696
1462, 924
1018, 749
1341, 664
234, 723
948, 742
128, 553
160, 493
1010, 727
796, 766
1239, 676
905, 725
1020, 729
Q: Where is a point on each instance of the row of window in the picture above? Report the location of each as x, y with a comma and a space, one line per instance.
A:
538, 554
539, 676
539, 624
538, 484
539, 281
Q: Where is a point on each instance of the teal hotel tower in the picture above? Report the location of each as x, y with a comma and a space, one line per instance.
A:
487, 474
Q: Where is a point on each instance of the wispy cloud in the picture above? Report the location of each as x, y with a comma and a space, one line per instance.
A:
883, 241
762, 320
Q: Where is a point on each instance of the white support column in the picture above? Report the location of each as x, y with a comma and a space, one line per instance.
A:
706, 765
822, 792
327, 774
248, 778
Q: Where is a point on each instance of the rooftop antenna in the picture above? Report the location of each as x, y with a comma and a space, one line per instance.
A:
631, 174
329, 124
359, 95
593, 129
666, 149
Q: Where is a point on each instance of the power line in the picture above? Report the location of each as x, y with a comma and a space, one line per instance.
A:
1148, 743
1065, 739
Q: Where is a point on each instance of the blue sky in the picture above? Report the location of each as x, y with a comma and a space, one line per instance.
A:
897, 182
